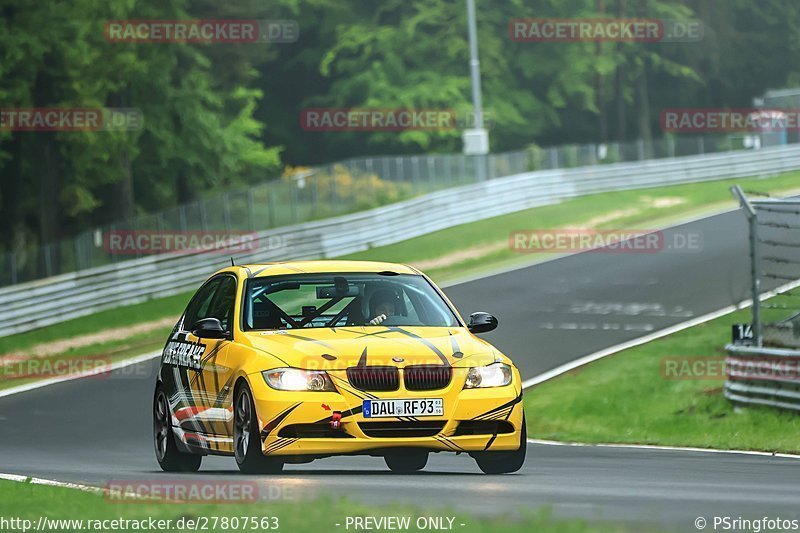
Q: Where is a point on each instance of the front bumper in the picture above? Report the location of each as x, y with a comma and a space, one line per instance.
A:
299, 423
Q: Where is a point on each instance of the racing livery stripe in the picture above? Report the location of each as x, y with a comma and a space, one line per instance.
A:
447, 442
279, 444
508, 415
374, 333
500, 408
309, 339
277, 420
346, 387
424, 341
362, 361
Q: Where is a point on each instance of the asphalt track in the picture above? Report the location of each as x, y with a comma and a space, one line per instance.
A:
98, 429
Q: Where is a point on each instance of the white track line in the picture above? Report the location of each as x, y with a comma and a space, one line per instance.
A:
662, 448
50, 483
572, 365
75, 486
60, 379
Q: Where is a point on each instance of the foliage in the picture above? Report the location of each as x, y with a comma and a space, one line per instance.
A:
225, 115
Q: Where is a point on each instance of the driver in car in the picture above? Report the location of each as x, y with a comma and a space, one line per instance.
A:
382, 305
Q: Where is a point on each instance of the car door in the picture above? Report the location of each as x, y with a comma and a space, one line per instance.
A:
199, 366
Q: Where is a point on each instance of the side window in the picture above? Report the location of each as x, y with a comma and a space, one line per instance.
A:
222, 306
198, 307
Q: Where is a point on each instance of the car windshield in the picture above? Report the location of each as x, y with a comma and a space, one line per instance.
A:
337, 300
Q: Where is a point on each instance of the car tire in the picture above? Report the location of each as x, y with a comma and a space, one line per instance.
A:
506, 462
247, 437
169, 457
407, 461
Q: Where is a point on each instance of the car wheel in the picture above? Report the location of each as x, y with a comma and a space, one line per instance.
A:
407, 461
170, 458
246, 437
505, 462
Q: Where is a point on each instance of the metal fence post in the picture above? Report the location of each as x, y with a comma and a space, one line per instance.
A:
203, 215
270, 209
755, 286
226, 212
182, 217
553, 157
251, 222
756, 282
293, 199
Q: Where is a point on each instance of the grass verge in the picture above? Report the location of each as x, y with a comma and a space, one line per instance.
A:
26, 501
648, 395
447, 255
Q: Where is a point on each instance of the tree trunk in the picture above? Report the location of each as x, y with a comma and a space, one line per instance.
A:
49, 205
124, 202
124, 197
184, 191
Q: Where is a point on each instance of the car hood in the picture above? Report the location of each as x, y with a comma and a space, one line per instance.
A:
340, 348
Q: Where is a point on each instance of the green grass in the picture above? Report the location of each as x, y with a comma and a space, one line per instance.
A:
113, 318
490, 234
626, 398
29, 502
698, 198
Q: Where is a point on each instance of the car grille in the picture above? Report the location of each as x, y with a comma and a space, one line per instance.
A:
374, 378
312, 431
427, 377
483, 427
401, 429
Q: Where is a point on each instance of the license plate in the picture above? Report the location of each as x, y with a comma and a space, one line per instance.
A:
395, 408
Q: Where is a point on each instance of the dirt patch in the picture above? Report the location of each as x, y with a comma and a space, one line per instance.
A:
664, 203
476, 252
593, 223
61, 346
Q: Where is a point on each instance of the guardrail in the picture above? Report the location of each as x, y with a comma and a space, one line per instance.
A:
43, 302
763, 376
314, 193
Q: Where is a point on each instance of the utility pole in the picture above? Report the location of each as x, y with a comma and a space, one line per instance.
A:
476, 140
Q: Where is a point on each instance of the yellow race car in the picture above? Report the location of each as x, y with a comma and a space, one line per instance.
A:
289, 362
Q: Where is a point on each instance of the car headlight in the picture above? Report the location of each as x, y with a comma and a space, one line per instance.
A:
295, 379
494, 375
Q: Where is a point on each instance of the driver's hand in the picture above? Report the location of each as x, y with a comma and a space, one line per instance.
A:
377, 320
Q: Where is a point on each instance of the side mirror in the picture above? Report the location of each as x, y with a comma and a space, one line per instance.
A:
209, 328
481, 322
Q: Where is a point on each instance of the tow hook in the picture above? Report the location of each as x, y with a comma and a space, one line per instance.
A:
336, 420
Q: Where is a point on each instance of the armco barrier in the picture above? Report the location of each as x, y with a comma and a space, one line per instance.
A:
39, 303
763, 376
